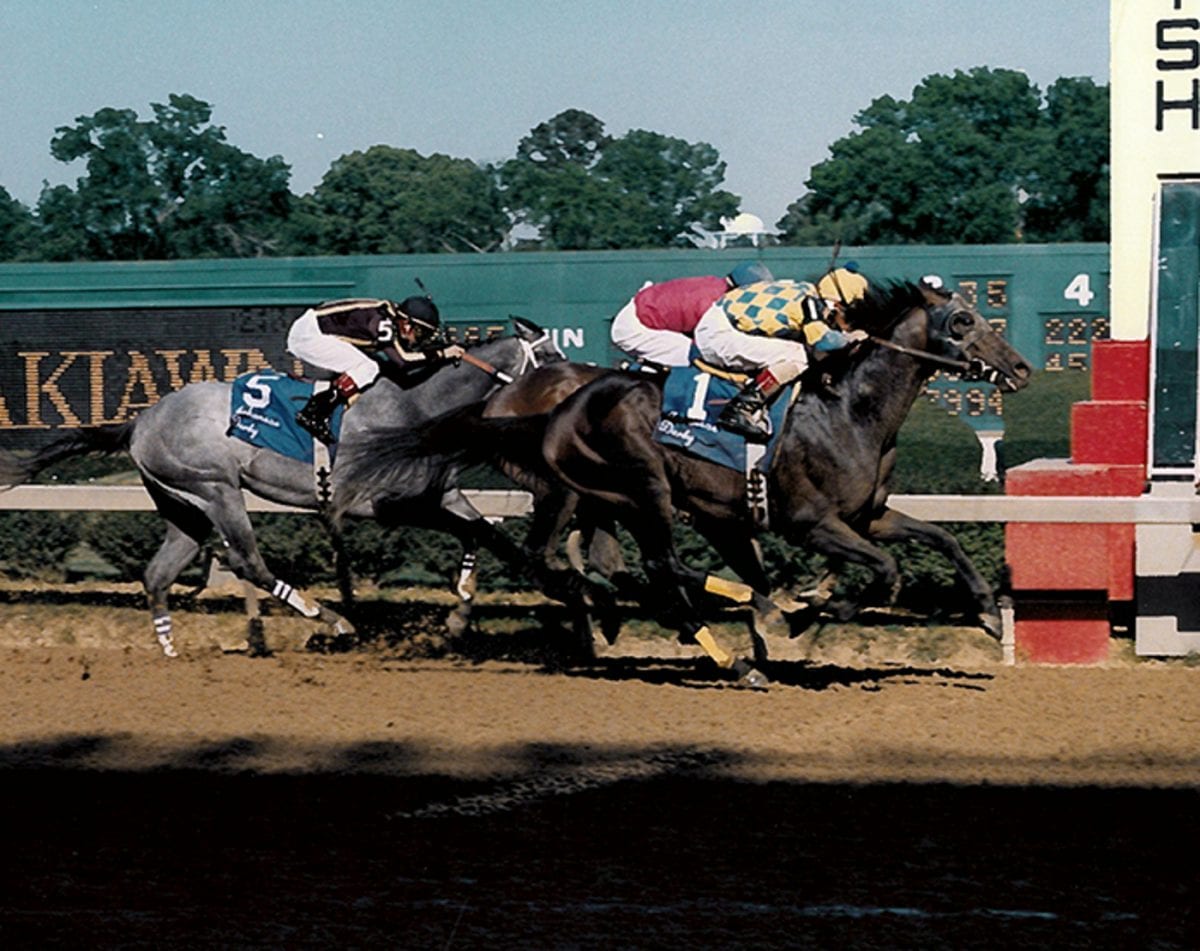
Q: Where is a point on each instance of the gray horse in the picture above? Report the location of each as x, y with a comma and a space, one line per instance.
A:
195, 472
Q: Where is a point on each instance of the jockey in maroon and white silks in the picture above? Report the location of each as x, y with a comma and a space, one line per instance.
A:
657, 324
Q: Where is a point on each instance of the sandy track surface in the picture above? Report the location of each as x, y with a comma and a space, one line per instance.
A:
83, 685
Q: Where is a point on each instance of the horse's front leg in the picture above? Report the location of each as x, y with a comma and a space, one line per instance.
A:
895, 526
835, 539
458, 516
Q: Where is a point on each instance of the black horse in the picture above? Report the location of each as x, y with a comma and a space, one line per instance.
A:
829, 482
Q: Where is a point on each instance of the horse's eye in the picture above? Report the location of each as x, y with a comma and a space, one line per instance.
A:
960, 323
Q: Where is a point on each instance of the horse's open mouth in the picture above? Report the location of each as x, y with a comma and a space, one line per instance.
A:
1019, 378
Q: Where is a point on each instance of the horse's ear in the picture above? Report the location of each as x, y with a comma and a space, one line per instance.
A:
525, 329
934, 290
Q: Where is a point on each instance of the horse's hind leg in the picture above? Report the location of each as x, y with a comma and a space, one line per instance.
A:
228, 514
177, 550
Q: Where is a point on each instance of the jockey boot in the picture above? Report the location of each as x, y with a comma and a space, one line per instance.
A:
315, 415
746, 413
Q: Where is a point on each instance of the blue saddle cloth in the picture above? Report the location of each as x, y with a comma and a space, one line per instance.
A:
692, 401
263, 413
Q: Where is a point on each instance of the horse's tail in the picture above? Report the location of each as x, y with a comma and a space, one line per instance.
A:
16, 469
422, 456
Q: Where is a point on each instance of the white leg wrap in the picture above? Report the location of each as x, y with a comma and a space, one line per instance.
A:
162, 631
465, 587
294, 599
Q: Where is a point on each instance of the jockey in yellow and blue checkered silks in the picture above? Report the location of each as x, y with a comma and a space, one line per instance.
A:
791, 309
768, 328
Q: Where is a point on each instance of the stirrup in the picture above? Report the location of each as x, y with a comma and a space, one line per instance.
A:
318, 428
746, 428
745, 421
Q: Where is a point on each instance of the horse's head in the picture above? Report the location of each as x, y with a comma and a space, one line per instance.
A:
960, 332
537, 343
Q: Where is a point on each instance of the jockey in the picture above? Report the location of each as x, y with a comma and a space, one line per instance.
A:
767, 329
656, 325
337, 336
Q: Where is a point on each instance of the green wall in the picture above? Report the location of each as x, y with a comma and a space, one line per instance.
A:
1051, 301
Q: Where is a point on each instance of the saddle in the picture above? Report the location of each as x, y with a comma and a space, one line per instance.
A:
692, 400
263, 409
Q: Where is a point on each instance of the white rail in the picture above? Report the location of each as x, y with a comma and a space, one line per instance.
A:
495, 503
492, 503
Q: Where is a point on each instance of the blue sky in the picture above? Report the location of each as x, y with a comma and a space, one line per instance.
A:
769, 83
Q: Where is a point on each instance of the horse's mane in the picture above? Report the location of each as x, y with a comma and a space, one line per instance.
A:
878, 312
884, 305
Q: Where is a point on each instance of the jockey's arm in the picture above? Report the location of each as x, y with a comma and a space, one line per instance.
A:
831, 339
421, 356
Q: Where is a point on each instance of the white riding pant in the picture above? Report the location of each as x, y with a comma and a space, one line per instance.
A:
667, 347
720, 343
305, 341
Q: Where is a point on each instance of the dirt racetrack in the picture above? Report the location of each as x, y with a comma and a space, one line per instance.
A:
893, 788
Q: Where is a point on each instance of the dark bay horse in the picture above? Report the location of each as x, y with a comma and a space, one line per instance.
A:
829, 482
195, 472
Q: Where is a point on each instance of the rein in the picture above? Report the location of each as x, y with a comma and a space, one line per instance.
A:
487, 368
530, 356
922, 354
964, 366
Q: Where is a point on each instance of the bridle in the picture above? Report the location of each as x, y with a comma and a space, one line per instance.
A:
529, 358
971, 369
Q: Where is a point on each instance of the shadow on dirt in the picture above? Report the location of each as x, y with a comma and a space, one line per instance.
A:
574, 847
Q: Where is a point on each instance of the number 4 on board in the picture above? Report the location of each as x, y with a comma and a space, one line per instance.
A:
1080, 290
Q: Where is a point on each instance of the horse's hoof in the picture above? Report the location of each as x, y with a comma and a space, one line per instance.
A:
788, 604
167, 645
750, 677
771, 623
457, 623
610, 626
800, 621
992, 624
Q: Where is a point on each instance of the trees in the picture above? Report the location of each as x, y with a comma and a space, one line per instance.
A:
583, 189
167, 188
980, 157
395, 201
18, 236
977, 157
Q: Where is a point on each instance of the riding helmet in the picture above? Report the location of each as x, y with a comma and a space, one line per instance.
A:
422, 314
842, 284
750, 272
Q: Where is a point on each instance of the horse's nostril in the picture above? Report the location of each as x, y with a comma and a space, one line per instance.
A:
1022, 370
